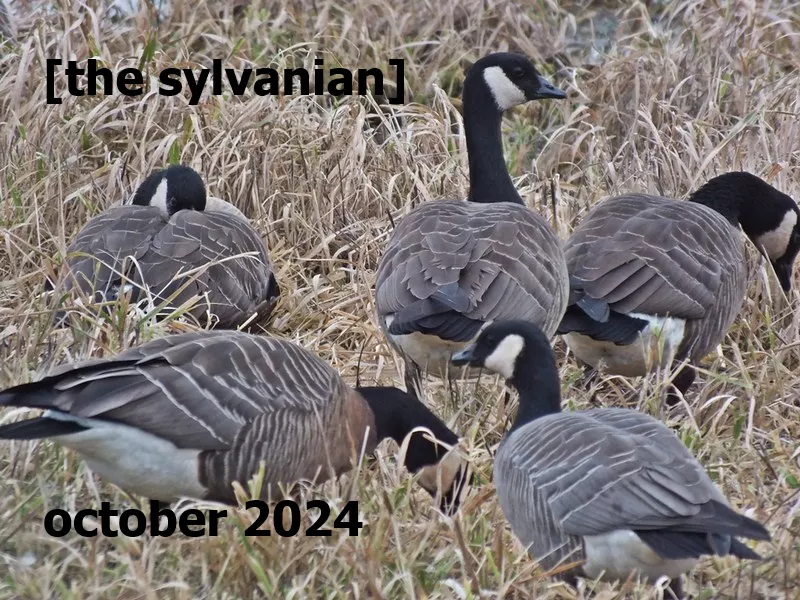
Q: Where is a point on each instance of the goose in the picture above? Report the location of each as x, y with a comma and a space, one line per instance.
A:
452, 266
188, 414
611, 489
171, 226
656, 281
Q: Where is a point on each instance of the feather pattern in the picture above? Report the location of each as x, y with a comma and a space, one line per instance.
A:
650, 255
224, 257
504, 259
564, 476
225, 394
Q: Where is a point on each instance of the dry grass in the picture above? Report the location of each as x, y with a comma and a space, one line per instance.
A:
677, 92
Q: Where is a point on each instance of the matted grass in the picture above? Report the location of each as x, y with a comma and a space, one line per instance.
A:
672, 94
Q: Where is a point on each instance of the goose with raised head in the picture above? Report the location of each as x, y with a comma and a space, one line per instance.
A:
176, 243
189, 414
452, 266
611, 489
656, 281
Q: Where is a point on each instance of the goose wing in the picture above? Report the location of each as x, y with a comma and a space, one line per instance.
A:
198, 390
650, 255
451, 266
608, 469
218, 255
96, 254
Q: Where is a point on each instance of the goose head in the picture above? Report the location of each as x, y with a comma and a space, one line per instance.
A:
172, 189
510, 79
770, 218
520, 352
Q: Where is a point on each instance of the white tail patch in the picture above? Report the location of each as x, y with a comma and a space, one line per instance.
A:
505, 92
620, 553
657, 345
429, 352
137, 461
775, 242
503, 358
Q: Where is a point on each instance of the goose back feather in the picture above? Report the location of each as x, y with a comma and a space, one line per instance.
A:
645, 256
213, 253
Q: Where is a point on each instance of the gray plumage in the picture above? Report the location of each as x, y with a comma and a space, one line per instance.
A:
188, 414
656, 281
607, 492
145, 247
565, 476
499, 256
451, 267
654, 256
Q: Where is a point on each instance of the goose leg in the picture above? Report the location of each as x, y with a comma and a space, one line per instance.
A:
682, 381
676, 589
589, 376
413, 378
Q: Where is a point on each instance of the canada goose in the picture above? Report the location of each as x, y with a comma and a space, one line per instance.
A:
452, 266
612, 488
172, 227
188, 414
652, 276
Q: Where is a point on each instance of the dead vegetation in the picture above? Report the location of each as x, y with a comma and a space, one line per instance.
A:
663, 96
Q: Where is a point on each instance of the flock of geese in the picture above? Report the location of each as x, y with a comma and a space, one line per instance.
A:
643, 283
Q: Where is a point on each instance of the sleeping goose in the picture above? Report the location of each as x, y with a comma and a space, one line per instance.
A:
452, 266
172, 227
656, 281
611, 488
189, 414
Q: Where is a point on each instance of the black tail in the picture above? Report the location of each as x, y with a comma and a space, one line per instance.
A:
273, 289
42, 427
440, 314
619, 328
450, 326
40, 394
713, 531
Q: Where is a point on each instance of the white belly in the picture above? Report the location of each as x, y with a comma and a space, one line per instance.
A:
656, 347
618, 554
136, 461
429, 352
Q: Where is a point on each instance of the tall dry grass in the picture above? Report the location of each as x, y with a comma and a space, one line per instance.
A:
662, 96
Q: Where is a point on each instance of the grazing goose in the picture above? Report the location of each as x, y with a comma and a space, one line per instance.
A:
656, 281
188, 414
452, 266
612, 488
172, 227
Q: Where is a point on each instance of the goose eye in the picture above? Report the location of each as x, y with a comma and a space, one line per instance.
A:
517, 72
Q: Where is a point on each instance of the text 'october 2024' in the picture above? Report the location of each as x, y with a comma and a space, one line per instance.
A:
193, 522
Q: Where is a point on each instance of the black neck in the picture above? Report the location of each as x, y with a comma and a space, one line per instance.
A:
539, 388
489, 180
728, 205
396, 414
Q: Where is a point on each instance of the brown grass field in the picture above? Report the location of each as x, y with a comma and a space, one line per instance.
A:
663, 95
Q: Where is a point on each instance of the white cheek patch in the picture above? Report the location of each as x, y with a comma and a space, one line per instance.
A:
504, 358
506, 94
159, 199
775, 242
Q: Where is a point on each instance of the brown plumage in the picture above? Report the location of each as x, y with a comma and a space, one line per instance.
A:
656, 281
179, 244
189, 414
